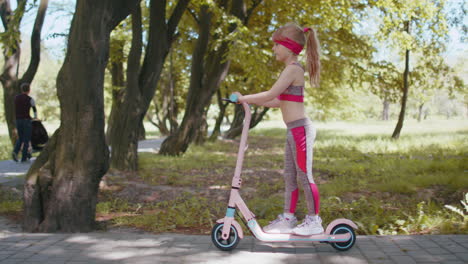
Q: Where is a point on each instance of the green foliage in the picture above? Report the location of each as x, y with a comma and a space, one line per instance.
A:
460, 211
385, 186
421, 27
11, 37
428, 22
385, 81
114, 205
11, 207
5, 147
10, 203
187, 211
158, 169
384, 218
44, 91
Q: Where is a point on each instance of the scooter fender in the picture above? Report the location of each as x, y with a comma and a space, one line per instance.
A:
235, 224
338, 222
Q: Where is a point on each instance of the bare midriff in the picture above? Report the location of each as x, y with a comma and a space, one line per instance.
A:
292, 111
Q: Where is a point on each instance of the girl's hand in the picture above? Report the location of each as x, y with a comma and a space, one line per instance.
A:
240, 98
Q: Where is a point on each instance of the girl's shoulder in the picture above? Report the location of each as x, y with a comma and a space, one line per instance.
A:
294, 68
297, 65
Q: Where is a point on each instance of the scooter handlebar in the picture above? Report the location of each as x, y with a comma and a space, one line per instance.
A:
233, 98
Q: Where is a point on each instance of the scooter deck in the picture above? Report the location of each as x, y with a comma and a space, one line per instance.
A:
266, 237
258, 232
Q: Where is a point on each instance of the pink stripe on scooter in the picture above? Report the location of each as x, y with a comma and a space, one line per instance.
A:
294, 198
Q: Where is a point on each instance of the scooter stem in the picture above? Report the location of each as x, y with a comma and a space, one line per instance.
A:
236, 181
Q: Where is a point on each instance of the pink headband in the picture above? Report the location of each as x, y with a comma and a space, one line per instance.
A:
290, 44
306, 29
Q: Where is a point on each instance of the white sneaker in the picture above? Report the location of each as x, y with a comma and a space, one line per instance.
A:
312, 225
281, 225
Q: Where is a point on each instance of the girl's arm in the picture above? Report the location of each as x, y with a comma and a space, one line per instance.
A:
285, 79
275, 103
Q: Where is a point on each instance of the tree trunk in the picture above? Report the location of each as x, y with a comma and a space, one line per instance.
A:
404, 99
124, 149
420, 112
202, 131
205, 79
141, 133
173, 109
165, 106
219, 121
178, 142
118, 83
238, 121
60, 192
9, 76
139, 95
386, 110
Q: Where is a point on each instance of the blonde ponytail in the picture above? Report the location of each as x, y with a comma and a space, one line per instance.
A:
313, 56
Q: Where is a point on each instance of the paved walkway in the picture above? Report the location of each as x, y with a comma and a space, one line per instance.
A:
128, 246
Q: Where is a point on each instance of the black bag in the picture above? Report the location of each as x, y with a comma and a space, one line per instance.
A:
39, 135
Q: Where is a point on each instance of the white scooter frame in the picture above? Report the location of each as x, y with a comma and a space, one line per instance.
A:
227, 232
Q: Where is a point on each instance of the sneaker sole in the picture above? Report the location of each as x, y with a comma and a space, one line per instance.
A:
294, 233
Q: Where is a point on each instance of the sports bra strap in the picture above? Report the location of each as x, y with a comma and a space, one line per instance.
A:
297, 64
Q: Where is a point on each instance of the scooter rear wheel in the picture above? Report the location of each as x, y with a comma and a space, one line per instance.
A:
228, 244
343, 229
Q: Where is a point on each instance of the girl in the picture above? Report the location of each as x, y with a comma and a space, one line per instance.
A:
288, 94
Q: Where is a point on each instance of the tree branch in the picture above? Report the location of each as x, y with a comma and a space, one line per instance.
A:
36, 43
191, 12
5, 12
176, 16
255, 4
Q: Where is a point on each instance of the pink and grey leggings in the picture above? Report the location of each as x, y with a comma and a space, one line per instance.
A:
298, 164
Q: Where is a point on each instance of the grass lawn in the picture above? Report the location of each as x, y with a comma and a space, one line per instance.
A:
386, 186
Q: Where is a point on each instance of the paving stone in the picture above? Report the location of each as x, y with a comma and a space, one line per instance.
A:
141, 248
455, 248
262, 248
11, 261
56, 261
23, 254
403, 259
39, 258
305, 250
8, 252
446, 258
437, 251
463, 240
462, 256
375, 254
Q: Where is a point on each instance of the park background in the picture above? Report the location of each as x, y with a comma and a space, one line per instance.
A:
408, 183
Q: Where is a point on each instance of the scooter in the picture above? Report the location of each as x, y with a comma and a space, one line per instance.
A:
227, 232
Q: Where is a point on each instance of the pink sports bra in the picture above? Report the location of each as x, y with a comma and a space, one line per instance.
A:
293, 93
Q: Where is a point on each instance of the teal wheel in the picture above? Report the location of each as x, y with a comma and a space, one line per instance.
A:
343, 229
226, 245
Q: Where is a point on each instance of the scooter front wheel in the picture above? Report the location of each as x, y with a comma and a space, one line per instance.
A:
343, 229
224, 244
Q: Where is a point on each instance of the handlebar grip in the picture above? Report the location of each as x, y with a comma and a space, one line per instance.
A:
233, 98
